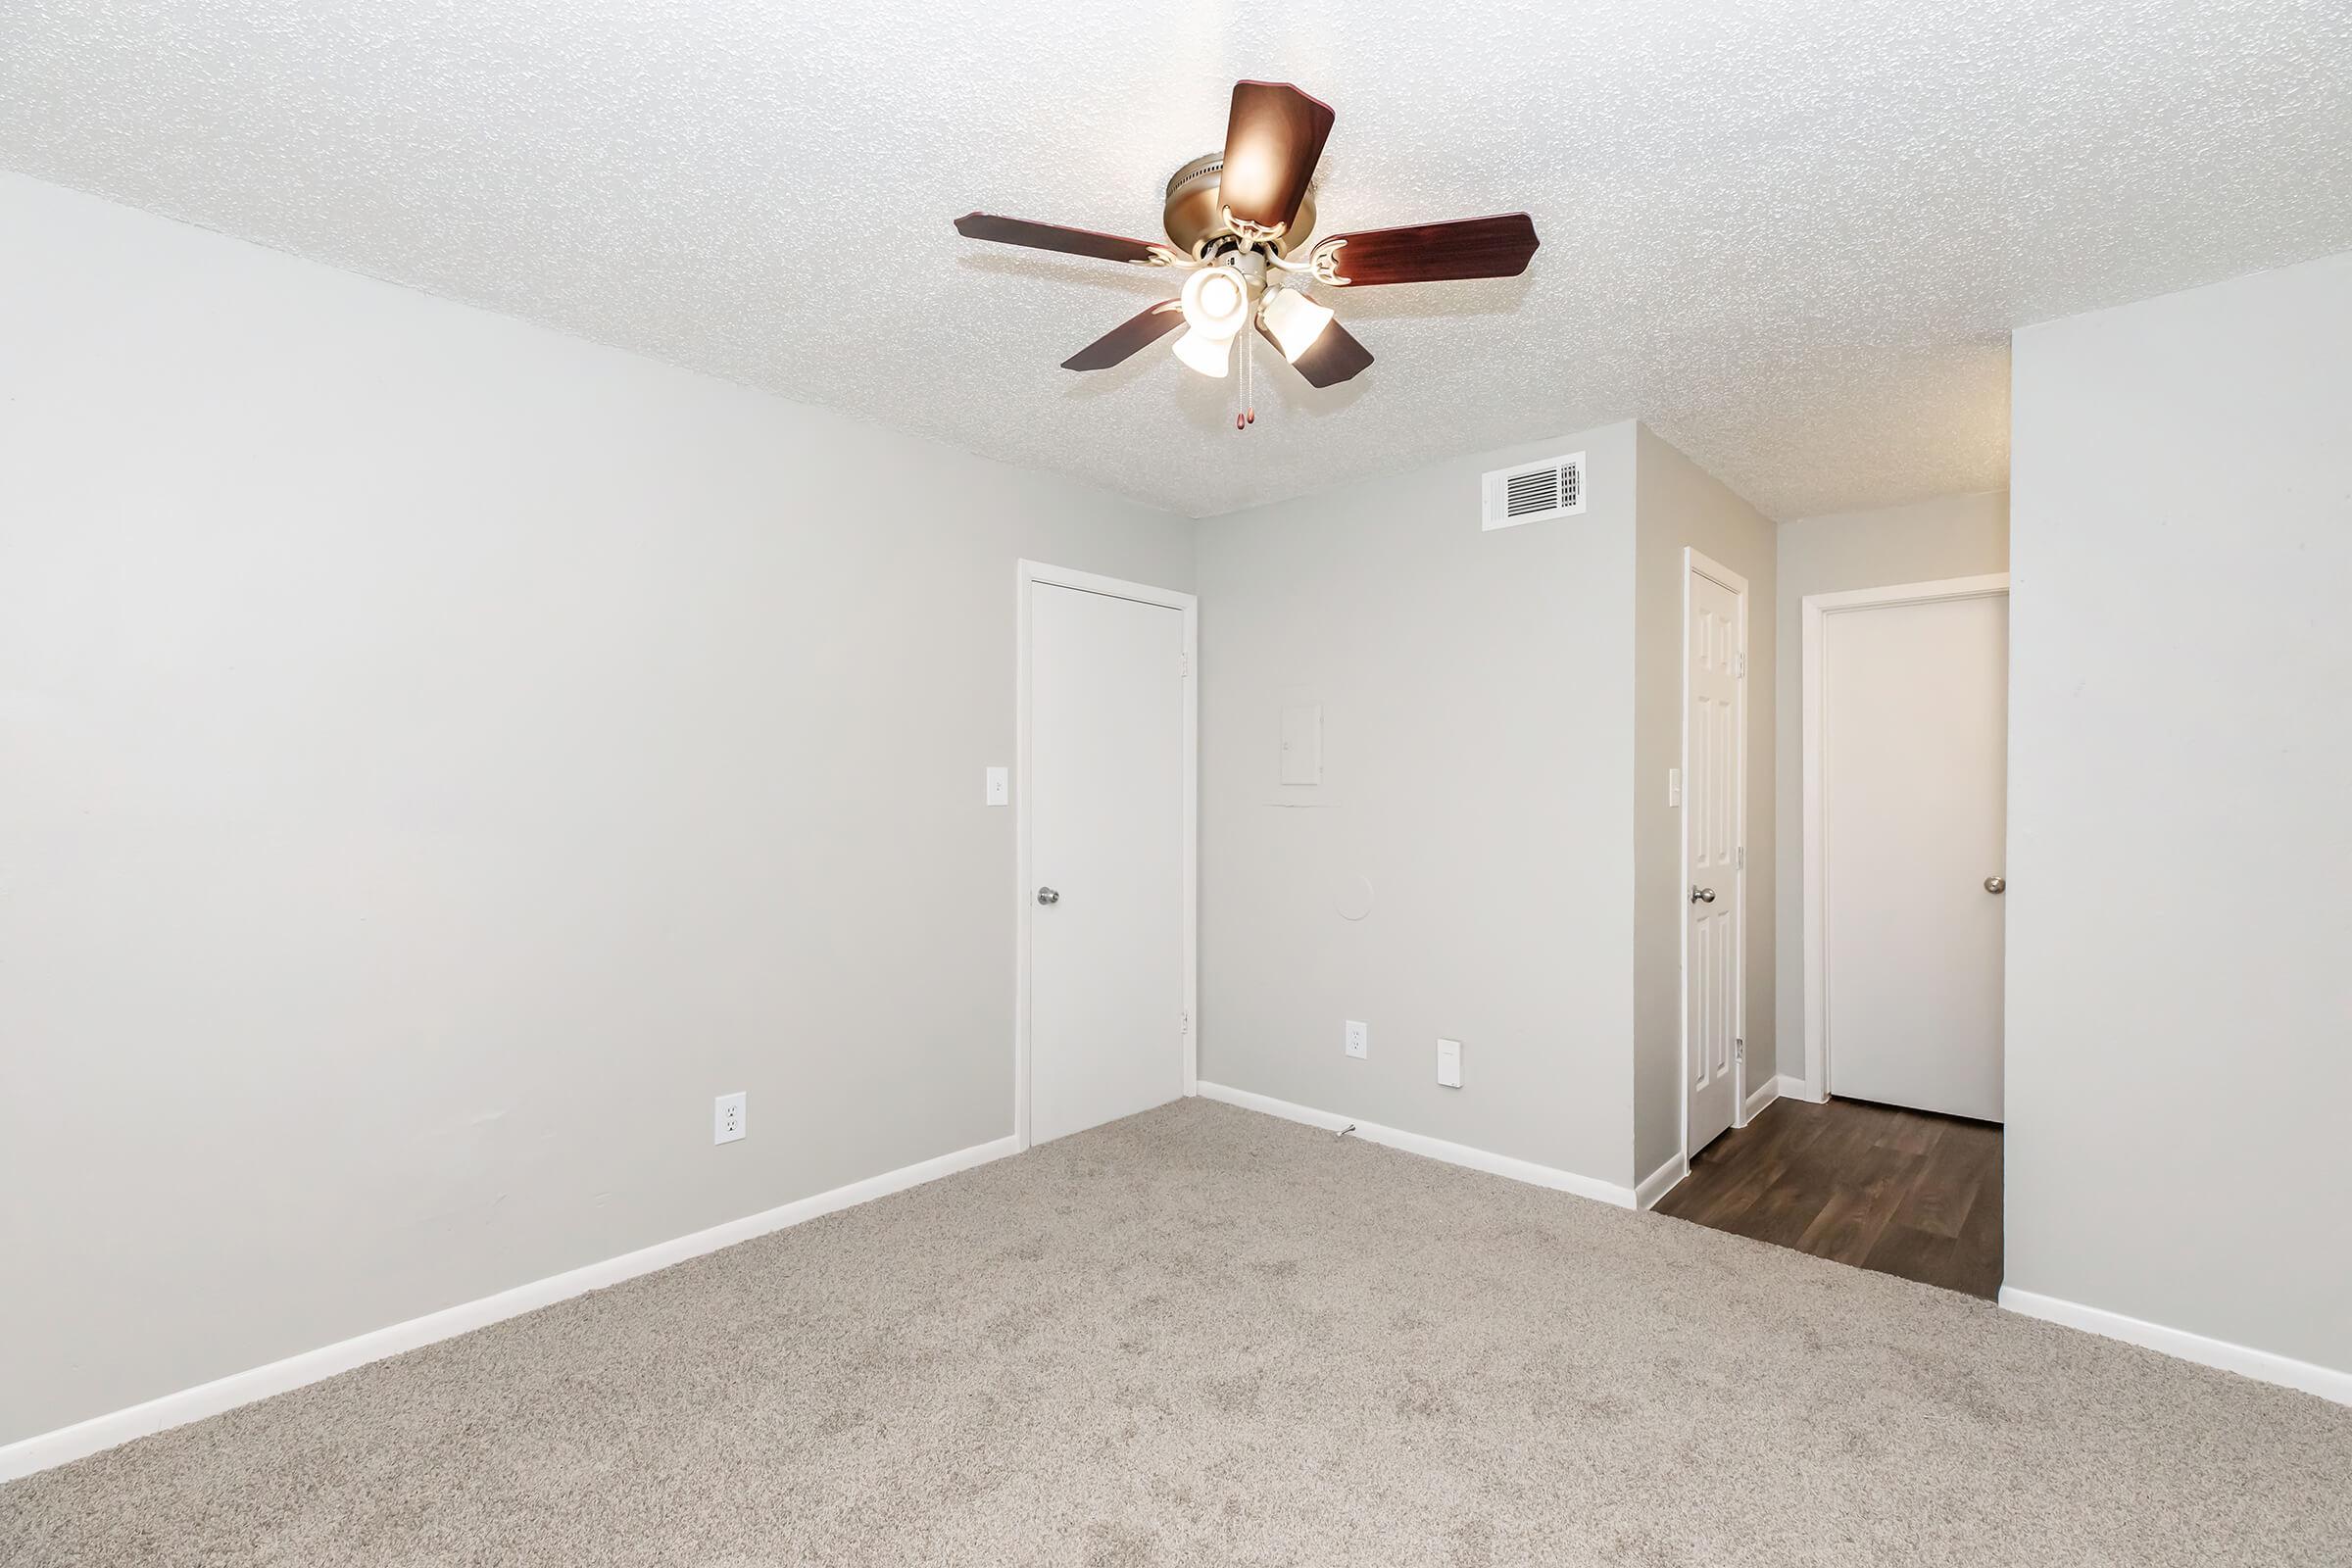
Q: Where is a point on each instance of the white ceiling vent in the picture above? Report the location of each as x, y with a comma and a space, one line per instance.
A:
1535, 492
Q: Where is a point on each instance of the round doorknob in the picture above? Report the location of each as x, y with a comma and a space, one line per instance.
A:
1995, 884
1048, 895
1701, 895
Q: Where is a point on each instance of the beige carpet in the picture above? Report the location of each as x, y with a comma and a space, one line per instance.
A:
1206, 1337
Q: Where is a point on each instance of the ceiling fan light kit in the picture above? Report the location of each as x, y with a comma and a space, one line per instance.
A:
1237, 223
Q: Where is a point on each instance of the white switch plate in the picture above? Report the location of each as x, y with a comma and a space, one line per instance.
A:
1450, 1063
1674, 786
727, 1114
1302, 744
999, 786
1359, 1039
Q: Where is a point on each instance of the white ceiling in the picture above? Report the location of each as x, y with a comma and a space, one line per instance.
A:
1791, 236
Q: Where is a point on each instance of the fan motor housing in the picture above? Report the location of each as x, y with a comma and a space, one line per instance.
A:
1194, 212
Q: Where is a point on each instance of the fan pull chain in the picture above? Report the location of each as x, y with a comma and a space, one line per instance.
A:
1246, 415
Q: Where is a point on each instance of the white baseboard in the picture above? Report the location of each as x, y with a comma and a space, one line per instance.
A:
1787, 1087
1658, 1182
66, 1444
2262, 1365
1766, 1093
1518, 1170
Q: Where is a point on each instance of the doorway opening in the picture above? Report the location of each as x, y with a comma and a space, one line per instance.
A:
1889, 1155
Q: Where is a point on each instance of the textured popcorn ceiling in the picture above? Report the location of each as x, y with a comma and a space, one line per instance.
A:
1791, 235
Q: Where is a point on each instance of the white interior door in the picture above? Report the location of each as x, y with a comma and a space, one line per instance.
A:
1914, 724
1714, 721
1105, 803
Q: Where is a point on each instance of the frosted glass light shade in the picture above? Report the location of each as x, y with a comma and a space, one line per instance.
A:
1216, 301
1296, 321
1210, 356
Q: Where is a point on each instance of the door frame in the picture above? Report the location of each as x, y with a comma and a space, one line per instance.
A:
1026, 573
1815, 610
1697, 565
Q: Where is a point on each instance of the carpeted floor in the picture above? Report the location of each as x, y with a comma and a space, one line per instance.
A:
1202, 1336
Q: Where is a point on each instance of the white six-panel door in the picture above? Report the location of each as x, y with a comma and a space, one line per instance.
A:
1107, 824
1714, 720
1912, 742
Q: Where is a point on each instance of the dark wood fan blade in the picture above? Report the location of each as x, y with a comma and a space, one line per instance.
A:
1054, 237
1336, 357
1432, 252
1122, 341
1273, 140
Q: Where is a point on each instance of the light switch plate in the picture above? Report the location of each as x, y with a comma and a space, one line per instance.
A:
1450, 1063
999, 786
1359, 1039
1302, 744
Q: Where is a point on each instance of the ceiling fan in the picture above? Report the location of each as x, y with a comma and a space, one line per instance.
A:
1237, 223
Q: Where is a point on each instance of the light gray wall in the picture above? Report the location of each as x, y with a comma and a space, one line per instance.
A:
436, 757
1477, 693
2179, 1011
1952, 536
1683, 506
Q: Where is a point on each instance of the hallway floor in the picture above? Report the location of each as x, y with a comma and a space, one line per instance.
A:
1902, 1191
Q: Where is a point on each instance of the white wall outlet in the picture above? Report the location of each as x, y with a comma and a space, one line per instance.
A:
1450, 1063
1359, 1039
999, 786
726, 1117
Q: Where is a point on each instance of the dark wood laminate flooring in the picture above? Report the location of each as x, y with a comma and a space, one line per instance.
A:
1899, 1191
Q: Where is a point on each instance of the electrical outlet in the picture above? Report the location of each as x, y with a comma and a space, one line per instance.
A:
726, 1117
1450, 1063
1359, 1039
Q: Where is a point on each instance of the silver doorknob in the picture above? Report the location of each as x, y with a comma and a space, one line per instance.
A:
1996, 884
1700, 895
1048, 895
